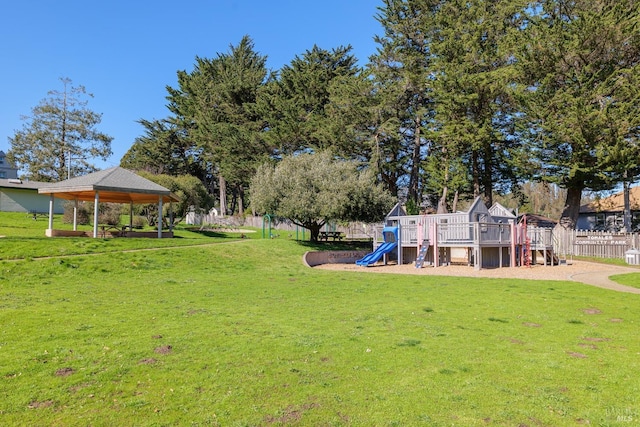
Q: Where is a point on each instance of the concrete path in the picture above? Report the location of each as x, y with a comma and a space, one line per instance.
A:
601, 279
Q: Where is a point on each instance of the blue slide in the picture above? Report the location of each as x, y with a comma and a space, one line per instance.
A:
373, 257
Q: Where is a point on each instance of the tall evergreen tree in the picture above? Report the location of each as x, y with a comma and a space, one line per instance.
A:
581, 103
294, 104
60, 138
473, 69
402, 69
216, 103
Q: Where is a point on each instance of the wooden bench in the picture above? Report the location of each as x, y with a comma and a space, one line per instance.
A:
326, 235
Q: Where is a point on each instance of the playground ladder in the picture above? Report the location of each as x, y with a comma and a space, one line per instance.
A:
423, 252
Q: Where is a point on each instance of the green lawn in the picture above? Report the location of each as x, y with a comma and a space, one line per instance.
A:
237, 332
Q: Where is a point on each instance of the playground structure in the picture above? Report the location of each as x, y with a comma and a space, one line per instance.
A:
390, 243
480, 237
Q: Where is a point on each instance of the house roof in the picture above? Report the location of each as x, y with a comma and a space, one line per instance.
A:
20, 184
537, 220
116, 185
614, 203
498, 210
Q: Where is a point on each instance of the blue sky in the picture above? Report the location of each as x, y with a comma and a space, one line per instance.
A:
126, 52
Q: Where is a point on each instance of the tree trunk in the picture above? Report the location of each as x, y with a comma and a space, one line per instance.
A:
442, 203
415, 163
487, 176
240, 200
475, 172
627, 205
571, 210
234, 199
314, 231
223, 195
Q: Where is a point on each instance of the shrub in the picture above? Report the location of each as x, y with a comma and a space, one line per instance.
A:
109, 214
82, 216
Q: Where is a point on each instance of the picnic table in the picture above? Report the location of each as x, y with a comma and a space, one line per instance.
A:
326, 235
36, 214
114, 230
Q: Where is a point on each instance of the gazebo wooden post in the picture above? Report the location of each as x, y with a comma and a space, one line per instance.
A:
131, 216
96, 202
50, 213
160, 217
75, 215
171, 216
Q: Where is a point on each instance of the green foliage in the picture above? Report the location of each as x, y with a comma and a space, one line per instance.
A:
60, 137
474, 106
164, 149
462, 99
313, 189
109, 214
215, 104
187, 188
403, 103
294, 103
581, 93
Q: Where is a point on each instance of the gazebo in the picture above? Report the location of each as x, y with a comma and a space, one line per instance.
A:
115, 185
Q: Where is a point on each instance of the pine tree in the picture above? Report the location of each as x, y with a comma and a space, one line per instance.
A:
60, 138
293, 105
215, 103
401, 71
473, 69
582, 94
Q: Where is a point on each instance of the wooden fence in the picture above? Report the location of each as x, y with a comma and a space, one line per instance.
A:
597, 244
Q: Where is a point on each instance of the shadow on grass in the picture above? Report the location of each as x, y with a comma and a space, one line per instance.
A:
336, 246
211, 233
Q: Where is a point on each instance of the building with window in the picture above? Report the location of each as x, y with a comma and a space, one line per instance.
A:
607, 214
7, 171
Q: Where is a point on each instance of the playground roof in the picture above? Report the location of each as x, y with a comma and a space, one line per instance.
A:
117, 185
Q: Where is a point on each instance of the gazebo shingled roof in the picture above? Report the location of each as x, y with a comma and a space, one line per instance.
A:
117, 185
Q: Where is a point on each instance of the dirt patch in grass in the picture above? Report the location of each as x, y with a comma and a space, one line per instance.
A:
64, 372
78, 387
44, 404
147, 361
616, 320
291, 414
592, 311
163, 349
156, 337
596, 339
577, 355
532, 325
590, 346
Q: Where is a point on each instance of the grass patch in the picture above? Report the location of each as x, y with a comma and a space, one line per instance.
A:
239, 332
630, 279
